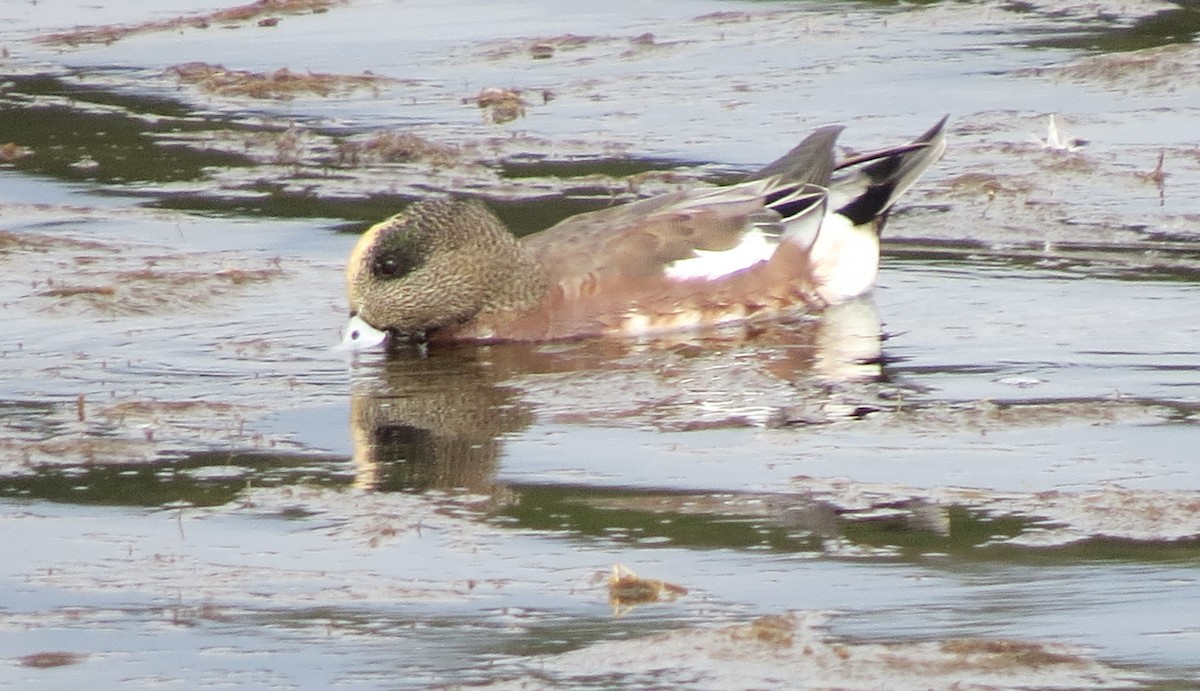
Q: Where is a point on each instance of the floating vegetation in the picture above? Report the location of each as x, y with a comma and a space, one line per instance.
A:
148, 290
11, 151
1159, 69
55, 290
43, 243
501, 105
771, 629
626, 589
114, 279
50, 658
795, 646
260, 12
280, 85
541, 48
395, 147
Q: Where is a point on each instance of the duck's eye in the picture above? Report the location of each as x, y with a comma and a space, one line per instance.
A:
392, 264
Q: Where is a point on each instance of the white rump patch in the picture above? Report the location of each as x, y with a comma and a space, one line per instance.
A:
755, 247
844, 259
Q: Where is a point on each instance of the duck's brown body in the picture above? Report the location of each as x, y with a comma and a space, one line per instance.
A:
450, 270
593, 292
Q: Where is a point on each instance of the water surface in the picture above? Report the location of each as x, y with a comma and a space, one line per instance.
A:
984, 475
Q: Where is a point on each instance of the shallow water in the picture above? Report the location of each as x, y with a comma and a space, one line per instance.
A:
196, 489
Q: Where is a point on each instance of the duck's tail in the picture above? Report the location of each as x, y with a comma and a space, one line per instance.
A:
864, 187
806, 183
844, 256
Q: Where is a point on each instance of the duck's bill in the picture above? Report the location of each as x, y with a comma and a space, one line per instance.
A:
359, 335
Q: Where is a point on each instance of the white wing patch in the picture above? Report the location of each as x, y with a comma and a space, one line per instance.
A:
755, 247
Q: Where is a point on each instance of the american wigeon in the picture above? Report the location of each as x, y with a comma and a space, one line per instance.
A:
802, 233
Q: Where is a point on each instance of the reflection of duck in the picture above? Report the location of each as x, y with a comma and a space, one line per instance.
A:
420, 423
439, 421
793, 236
847, 346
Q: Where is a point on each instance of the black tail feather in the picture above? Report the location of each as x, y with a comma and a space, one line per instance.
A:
879, 178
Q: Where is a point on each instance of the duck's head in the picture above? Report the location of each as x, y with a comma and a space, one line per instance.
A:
437, 264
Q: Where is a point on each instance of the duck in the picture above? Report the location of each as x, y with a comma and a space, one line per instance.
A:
799, 235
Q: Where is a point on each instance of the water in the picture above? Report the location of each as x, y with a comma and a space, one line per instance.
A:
196, 489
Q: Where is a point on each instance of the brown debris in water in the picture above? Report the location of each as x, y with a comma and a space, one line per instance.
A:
1005, 654
51, 658
69, 291
75, 449
1071, 163
587, 48
137, 430
795, 647
146, 290
1058, 518
73, 272
773, 629
541, 48
501, 105
280, 85
971, 184
260, 12
725, 17
626, 589
11, 151
151, 408
541, 51
40, 243
1164, 68
1158, 175
396, 147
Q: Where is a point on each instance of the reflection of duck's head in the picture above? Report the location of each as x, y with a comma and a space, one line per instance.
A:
800, 234
432, 422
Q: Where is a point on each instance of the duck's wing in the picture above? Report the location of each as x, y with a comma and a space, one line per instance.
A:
696, 234
809, 161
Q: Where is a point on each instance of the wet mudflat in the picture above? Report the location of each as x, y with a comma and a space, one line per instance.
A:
984, 476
